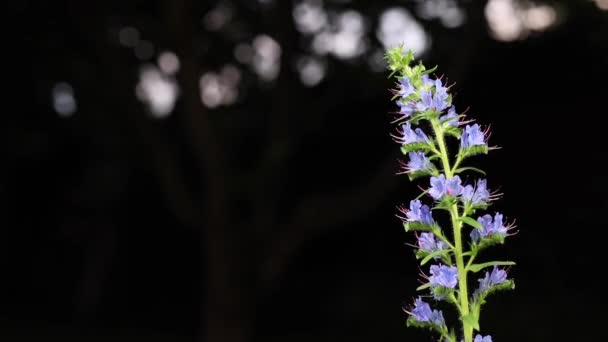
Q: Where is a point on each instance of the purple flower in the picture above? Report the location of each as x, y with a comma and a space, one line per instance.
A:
406, 88
427, 243
478, 195
496, 277
426, 101
490, 227
452, 116
418, 162
440, 90
441, 186
406, 109
437, 101
442, 275
426, 81
419, 213
422, 313
437, 187
472, 136
453, 186
413, 136
480, 338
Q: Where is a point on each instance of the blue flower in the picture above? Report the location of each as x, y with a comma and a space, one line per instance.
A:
406, 87
480, 338
426, 81
418, 162
451, 118
478, 195
413, 136
437, 101
490, 227
441, 186
406, 109
496, 277
437, 187
427, 243
419, 213
453, 186
426, 101
422, 313
442, 275
472, 136
440, 90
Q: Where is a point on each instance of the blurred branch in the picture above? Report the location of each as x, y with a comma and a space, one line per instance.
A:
316, 216
269, 175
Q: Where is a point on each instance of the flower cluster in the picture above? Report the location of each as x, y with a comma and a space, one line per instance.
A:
425, 120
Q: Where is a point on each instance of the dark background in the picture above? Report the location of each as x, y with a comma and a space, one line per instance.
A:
271, 218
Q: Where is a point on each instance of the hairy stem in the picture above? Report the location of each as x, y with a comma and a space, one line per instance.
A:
463, 295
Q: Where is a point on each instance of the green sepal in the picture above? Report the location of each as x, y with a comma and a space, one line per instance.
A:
451, 130
419, 226
412, 322
425, 115
507, 285
469, 209
444, 293
480, 298
485, 242
478, 267
430, 172
446, 203
472, 151
417, 146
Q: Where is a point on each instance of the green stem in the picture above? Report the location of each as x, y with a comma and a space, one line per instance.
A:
471, 259
457, 163
457, 227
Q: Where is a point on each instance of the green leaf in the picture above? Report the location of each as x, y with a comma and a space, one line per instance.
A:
471, 320
478, 267
430, 70
469, 168
434, 254
471, 222
423, 287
